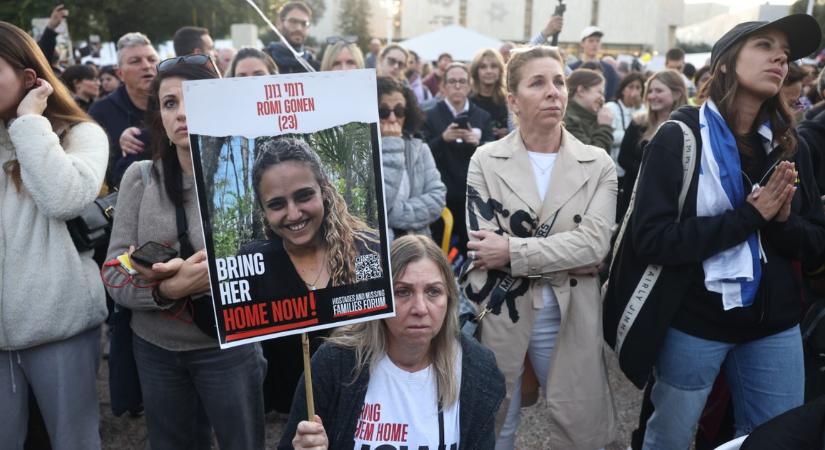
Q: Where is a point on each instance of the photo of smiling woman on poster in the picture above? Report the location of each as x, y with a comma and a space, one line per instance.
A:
312, 243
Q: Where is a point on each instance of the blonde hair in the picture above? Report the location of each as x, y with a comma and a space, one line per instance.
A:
369, 340
650, 119
499, 93
333, 50
519, 57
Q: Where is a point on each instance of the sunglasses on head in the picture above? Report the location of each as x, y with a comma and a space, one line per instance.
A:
332, 40
198, 59
399, 111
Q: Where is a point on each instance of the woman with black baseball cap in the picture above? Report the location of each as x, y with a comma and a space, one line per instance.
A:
752, 207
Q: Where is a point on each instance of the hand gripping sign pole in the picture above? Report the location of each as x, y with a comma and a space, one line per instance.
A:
304, 337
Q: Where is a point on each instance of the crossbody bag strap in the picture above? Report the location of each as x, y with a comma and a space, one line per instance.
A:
652, 272
499, 293
441, 444
688, 168
186, 249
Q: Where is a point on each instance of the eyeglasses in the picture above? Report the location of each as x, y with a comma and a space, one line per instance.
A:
395, 62
457, 81
298, 23
332, 40
399, 111
198, 59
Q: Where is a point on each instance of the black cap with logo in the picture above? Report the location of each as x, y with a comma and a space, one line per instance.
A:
802, 31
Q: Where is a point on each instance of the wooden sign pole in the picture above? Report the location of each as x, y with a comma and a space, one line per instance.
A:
308, 377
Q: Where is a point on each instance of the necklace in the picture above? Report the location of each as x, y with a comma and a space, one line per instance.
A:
313, 286
536, 164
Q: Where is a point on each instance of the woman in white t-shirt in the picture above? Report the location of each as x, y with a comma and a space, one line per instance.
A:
406, 381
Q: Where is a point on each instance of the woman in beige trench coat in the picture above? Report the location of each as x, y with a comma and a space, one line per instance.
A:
546, 251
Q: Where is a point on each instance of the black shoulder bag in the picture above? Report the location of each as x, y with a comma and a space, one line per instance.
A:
203, 313
92, 228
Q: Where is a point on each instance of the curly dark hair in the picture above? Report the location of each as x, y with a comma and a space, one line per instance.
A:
414, 117
341, 229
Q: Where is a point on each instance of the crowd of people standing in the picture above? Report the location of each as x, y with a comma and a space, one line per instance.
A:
539, 158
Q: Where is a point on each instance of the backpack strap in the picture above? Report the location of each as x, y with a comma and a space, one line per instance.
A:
688, 168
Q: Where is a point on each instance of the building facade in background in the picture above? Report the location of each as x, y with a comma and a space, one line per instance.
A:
630, 26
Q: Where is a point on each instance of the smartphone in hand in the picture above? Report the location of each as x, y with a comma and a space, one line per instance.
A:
153, 252
462, 121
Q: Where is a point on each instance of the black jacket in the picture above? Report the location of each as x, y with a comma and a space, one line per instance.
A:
630, 158
801, 428
812, 131
115, 113
338, 400
453, 159
658, 239
286, 60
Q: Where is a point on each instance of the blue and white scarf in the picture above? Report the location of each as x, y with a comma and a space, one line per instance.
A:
735, 273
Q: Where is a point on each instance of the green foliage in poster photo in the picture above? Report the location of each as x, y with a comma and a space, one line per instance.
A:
346, 154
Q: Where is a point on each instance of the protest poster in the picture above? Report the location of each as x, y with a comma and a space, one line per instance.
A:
289, 183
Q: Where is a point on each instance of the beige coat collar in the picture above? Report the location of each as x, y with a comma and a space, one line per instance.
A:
568, 174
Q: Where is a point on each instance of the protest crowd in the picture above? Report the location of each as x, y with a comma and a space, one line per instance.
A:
546, 211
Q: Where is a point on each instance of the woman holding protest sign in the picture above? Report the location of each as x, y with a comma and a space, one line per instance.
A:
313, 243
540, 207
411, 380
190, 386
412, 183
52, 303
751, 209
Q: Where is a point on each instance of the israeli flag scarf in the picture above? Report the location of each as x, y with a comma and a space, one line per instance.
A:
735, 273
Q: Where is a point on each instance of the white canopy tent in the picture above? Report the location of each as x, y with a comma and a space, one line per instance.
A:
458, 41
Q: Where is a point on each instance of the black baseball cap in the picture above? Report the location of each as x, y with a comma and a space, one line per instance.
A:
802, 30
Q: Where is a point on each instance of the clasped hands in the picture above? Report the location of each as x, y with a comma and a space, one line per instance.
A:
773, 201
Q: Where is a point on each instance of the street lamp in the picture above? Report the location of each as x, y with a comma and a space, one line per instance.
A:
392, 8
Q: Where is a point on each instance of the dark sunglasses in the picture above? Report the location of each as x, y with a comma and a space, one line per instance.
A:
332, 40
399, 112
197, 59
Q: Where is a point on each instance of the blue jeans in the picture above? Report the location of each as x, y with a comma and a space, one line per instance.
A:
766, 378
184, 392
542, 344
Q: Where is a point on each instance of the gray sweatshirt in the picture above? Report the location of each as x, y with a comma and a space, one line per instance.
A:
145, 213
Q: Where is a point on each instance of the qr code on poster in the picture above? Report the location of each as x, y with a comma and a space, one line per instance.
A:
367, 267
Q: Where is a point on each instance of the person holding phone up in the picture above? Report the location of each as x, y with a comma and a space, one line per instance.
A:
455, 128
190, 386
